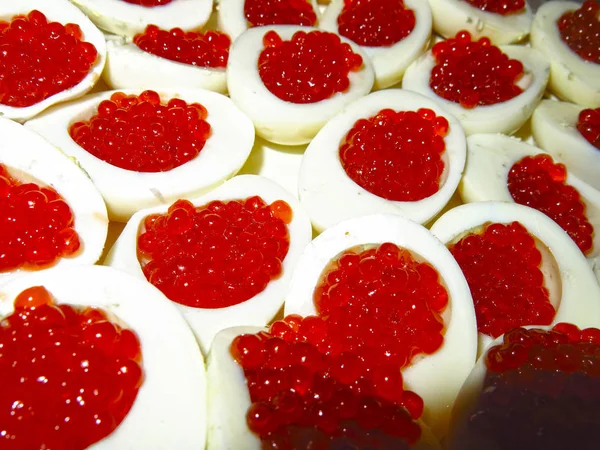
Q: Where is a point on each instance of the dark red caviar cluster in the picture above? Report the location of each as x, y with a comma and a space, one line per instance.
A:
69, 375
41, 58
142, 134
502, 7
279, 12
308, 68
37, 225
538, 182
580, 30
502, 266
376, 23
474, 73
216, 255
209, 49
149, 3
588, 124
397, 155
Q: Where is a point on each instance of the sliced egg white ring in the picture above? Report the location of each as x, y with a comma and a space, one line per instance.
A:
489, 160
452, 16
554, 128
506, 117
260, 309
571, 77
277, 120
170, 408
128, 66
127, 19
389, 62
573, 289
64, 12
32, 159
229, 400
232, 20
330, 195
127, 191
438, 377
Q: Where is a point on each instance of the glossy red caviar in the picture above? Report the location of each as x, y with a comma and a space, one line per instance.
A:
279, 12
376, 23
69, 375
580, 30
538, 182
37, 225
502, 266
308, 68
142, 134
149, 3
216, 255
40, 59
474, 73
502, 7
396, 155
209, 49
588, 124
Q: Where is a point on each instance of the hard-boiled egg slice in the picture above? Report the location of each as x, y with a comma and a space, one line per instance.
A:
330, 195
437, 377
233, 20
389, 62
489, 161
571, 77
169, 410
126, 18
573, 289
64, 12
260, 309
128, 191
505, 117
29, 158
229, 400
451, 16
277, 120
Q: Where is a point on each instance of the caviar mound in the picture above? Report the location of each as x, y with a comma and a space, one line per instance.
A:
279, 12
71, 375
580, 31
502, 7
588, 124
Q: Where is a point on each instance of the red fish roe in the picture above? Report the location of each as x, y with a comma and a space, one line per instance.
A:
210, 49
40, 59
69, 375
501, 265
142, 134
376, 23
396, 155
537, 182
502, 7
149, 3
474, 73
580, 30
37, 225
588, 125
215, 255
308, 68
279, 12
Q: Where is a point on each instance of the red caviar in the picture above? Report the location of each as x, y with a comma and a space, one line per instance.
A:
37, 225
69, 375
502, 7
474, 73
40, 59
209, 49
149, 3
142, 134
538, 182
376, 23
580, 30
588, 124
396, 155
279, 12
308, 68
502, 266
216, 255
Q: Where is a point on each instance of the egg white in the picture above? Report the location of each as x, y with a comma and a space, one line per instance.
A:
506, 117
571, 77
170, 408
277, 120
64, 12
127, 191
330, 195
